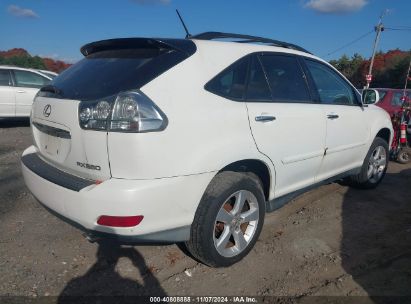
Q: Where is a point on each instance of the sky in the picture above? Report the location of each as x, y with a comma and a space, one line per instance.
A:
58, 28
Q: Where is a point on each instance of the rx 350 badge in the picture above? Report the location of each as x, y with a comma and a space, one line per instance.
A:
88, 166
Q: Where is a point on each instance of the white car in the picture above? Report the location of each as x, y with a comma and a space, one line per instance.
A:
49, 74
18, 87
193, 140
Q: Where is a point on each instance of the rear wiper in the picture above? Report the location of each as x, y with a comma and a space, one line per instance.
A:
51, 89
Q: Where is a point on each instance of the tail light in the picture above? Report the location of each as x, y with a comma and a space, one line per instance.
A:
130, 111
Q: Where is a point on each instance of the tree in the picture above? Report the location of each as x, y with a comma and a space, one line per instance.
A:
349, 67
389, 68
21, 58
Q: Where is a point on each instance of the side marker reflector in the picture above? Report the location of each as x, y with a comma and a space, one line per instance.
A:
119, 221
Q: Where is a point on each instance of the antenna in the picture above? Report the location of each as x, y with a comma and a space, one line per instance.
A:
188, 35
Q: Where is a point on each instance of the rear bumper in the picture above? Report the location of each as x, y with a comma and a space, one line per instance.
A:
167, 204
39, 167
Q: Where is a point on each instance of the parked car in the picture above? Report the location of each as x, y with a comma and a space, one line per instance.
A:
18, 86
391, 99
50, 74
193, 140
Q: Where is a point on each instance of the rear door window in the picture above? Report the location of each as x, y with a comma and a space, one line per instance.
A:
398, 98
231, 83
51, 75
28, 79
257, 89
5, 79
286, 78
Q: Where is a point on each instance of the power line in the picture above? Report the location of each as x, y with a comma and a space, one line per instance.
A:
350, 43
402, 26
394, 28
397, 29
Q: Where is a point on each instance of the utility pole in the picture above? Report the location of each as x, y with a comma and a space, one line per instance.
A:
378, 28
407, 78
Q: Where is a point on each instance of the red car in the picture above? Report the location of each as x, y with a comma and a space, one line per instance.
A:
390, 99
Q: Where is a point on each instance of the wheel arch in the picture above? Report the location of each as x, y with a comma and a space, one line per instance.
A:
385, 134
380, 125
256, 166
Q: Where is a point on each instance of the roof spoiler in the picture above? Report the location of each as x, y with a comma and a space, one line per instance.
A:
182, 45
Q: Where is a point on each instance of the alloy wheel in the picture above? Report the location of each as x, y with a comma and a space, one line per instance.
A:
377, 164
236, 223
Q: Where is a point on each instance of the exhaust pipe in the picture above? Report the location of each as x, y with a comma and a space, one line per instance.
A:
91, 237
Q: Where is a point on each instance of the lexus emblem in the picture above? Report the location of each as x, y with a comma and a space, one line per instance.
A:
47, 110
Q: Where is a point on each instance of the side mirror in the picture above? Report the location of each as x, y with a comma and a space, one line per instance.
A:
370, 96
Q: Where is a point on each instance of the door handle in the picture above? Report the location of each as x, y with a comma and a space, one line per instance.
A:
263, 118
332, 116
21, 91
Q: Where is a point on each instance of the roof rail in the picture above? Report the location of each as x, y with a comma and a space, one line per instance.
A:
247, 39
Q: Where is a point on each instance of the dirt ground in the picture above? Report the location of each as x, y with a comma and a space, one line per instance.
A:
333, 241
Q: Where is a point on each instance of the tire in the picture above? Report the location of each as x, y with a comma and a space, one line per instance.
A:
404, 157
225, 242
374, 166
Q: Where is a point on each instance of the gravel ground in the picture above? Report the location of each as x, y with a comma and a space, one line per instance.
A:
333, 241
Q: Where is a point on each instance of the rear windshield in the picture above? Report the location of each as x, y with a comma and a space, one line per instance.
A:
107, 73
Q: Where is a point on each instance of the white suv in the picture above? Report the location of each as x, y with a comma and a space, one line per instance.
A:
18, 87
193, 140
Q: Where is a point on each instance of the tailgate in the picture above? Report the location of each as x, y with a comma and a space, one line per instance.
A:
62, 143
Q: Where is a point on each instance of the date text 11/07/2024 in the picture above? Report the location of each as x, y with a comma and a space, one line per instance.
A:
188, 299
